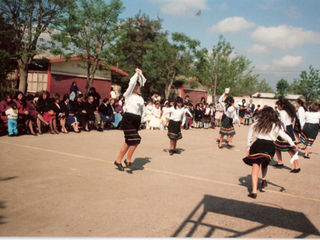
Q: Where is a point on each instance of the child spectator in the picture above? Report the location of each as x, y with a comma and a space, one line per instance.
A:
206, 116
12, 114
198, 116
148, 116
212, 114
155, 120
188, 114
247, 115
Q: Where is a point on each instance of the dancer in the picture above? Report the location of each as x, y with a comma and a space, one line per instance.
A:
311, 128
176, 122
300, 119
206, 116
230, 114
266, 129
134, 114
286, 115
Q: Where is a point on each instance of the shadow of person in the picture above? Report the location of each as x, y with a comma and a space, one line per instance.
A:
274, 162
138, 164
179, 150
247, 182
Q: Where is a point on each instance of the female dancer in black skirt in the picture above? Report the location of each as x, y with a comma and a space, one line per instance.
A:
134, 114
260, 153
176, 122
300, 119
311, 128
286, 115
229, 115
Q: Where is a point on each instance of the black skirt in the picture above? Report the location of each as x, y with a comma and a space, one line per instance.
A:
130, 125
227, 127
174, 130
283, 145
309, 133
261, 152
297, 126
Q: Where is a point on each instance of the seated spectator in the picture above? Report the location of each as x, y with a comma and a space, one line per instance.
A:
71, 118
80, 112
60, 115
118, 113
96, 97
106, 113
74, 89
121, 100
46, 111
93, 114
35, 115
24, 115
5, 105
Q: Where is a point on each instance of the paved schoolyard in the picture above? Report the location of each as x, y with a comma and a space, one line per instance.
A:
66, 185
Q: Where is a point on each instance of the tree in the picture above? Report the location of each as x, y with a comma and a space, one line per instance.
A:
29, 19
222, 68
87, 32
282, 88
308, 85
127, 50
263, 87
167, 63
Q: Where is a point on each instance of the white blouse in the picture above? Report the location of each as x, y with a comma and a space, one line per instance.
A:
176, 114
312, 117
230, 112
301, 116
285, 118
134, 103
271, 136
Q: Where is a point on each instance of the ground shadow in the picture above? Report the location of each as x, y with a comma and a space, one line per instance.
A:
264, 215
7, 178
246, 182
2, 206
274, 162
138, 164
179, 150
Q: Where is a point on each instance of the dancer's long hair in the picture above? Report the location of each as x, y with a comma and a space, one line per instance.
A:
287, 106
267, 117
229, 101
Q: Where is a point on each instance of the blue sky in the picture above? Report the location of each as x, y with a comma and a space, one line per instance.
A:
280, 37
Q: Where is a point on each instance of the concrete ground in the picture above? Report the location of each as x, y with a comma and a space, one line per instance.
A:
67, 186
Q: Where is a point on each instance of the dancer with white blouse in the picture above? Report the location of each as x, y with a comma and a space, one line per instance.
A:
132, 118
260, 153
300, 119
310, 129
176, 121
230, 114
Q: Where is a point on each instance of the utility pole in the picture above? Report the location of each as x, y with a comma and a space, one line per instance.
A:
142, 20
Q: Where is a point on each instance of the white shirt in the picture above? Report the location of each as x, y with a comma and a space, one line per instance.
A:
301, 116
285, 118
312, 117
134, 103
230, 112
11, 114
149, 109
113, 94
176, 114
271, 136
156, 112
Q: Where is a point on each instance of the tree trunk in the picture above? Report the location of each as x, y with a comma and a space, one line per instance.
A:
168, 88
91, 73
23, 72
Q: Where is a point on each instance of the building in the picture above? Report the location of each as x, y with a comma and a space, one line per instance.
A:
55, 74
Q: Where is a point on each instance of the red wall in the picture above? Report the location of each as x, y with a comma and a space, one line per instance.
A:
61, 84
194, 95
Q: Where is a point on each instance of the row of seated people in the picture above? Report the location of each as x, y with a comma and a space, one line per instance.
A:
51, 114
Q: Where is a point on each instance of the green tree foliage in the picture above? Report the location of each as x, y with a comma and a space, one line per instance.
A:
308, 85
168, 62
263, 87
6, 53
87, 32
221, 69
29, 19
127, 51
282, 88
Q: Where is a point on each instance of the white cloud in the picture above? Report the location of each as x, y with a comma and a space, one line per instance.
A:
232, 24
183, 8
285, 37
287, 61
258, 48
